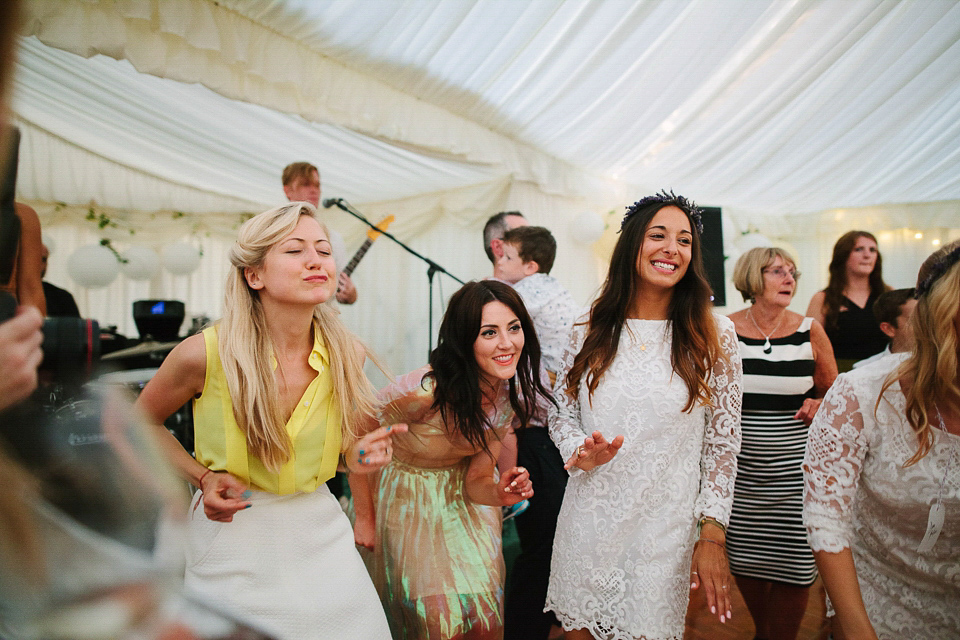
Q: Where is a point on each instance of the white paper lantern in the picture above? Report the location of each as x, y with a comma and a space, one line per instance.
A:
142, 263
180, 258
753, 241
93, 266
587, 227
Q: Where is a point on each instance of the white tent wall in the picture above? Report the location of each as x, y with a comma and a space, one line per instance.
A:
392, 311
201, 291
906, 234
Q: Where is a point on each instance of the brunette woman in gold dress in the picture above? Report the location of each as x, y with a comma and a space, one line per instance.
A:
438, 561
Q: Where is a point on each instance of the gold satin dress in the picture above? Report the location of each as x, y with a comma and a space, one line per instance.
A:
438, 565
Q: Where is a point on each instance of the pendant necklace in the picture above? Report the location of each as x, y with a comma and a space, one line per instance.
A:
935, 518
767, 347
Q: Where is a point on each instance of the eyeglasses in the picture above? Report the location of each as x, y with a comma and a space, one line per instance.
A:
781, 273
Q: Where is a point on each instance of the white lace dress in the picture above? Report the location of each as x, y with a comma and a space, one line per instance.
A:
624, 543
858, 495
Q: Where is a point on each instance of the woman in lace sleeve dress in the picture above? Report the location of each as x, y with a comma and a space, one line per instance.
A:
437, 561
882, 478
649, 424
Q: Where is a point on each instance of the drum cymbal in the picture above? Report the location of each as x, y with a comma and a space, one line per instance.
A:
128, 376
142, 349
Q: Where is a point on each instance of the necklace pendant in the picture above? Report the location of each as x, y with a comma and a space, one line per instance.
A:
643, 347
767, 348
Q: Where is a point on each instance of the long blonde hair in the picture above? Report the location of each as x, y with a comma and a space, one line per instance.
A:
245, 346
932, 368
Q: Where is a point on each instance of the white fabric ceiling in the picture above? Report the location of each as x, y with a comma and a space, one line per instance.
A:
782, 112
779, 106
190, 136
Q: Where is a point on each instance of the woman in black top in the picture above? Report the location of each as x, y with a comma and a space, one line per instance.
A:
845, 307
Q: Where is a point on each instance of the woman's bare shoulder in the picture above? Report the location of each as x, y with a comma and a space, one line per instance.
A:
192, 350
187, 363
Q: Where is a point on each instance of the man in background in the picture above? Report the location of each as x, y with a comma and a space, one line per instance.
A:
892, 310
60, 302
493, 231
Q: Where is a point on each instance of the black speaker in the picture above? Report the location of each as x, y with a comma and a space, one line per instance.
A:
713, 254
159, 319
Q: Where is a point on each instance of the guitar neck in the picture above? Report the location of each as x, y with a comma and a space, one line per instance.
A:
357, 257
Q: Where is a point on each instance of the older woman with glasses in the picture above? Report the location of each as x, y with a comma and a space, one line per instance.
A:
788, 366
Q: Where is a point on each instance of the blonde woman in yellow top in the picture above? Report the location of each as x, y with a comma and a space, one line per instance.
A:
280, 391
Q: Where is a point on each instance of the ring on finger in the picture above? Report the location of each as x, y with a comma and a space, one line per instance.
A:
580, 451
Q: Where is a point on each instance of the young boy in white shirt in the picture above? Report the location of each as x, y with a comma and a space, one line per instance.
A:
528, 255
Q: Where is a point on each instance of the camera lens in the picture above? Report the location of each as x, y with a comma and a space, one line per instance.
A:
71, 347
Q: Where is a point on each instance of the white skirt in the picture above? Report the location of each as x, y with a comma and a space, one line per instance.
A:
287, 565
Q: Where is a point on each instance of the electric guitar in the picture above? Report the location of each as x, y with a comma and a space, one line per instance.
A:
372, 235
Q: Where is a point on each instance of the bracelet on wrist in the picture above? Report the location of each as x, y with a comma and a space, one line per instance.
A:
719, 544
713, 521
202, 476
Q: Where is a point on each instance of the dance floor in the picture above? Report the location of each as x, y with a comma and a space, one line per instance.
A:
701, 625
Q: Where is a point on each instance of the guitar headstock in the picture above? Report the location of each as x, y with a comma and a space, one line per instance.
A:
373, 234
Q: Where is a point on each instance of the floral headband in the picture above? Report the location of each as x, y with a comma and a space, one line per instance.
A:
939, 268
665, 198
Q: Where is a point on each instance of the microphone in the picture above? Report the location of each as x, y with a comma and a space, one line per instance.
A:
329, 202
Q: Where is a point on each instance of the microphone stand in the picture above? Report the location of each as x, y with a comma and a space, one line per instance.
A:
432, 267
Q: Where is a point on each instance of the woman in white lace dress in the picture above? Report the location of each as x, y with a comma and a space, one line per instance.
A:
649, 424
882, 478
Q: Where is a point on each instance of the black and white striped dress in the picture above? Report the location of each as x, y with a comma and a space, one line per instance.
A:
766, 539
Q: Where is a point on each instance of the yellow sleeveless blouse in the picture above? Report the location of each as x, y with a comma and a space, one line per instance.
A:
314, 428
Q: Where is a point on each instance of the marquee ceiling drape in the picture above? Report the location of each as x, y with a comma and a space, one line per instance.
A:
778, 106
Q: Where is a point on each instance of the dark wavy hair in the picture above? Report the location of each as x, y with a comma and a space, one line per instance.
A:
833, 294
696, 344
456, 374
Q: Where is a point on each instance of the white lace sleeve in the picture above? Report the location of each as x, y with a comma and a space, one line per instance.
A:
721, 439
836, 446
564, 422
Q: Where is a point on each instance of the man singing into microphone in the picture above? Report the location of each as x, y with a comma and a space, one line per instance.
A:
301, 183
